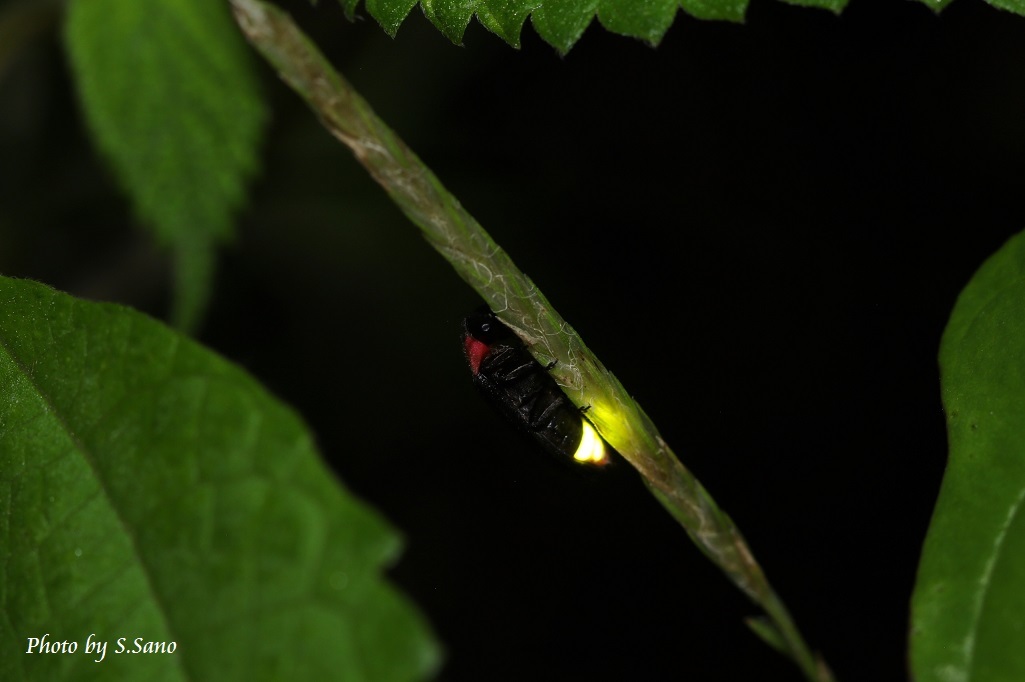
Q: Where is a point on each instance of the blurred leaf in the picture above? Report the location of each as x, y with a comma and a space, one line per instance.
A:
723, 10
968, 609
937, 4
1016, 6
832, 5
768, 632
168, 91
151, 489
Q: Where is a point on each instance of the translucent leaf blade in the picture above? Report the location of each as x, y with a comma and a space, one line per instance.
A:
968, 609
151, 489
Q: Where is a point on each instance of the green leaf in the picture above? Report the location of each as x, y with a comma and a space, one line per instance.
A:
561, 24
968, 609
1016, 6
832, 5
644, 19
936, 5
715, 9
505, 17
168, 90
388, 14
450, 16
151, 489
349, 7
768, 632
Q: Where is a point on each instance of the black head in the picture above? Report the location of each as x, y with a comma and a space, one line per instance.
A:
482, 325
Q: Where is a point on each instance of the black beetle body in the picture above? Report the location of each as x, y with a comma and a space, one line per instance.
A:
521, 387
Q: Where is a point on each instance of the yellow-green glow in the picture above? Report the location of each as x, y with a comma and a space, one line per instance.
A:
614, 423
591, 449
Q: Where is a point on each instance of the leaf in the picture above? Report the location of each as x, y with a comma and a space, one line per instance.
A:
388, 14
169, 93
768, 632
716, 9
644, 19
1016, 6
151, 489
968, 609
835, 6
450, 16
505, 18
936, 5
561, 22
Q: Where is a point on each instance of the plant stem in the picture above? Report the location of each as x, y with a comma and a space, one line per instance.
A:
514, 298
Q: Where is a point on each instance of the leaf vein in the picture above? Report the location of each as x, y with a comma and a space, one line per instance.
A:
90, 460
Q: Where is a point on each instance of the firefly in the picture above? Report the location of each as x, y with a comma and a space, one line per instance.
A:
524, 391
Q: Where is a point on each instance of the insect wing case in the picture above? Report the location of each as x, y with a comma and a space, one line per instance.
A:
519, 386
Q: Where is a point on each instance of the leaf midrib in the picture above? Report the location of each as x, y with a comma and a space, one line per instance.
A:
90, 460
984, 582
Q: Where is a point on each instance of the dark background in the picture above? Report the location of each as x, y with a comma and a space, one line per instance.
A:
761, 229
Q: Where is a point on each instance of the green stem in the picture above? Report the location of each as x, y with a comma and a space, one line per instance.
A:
490, 271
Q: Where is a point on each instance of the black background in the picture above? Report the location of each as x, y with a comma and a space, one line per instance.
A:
761, 229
